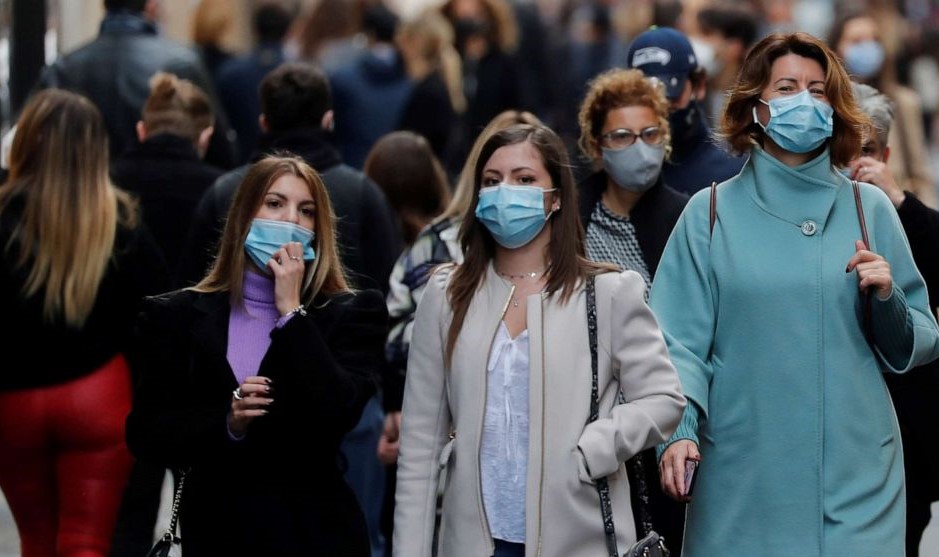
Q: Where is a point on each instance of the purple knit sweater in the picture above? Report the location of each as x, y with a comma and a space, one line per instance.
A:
249, 327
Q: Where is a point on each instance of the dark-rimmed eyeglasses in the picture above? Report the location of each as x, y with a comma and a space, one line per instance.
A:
621, 138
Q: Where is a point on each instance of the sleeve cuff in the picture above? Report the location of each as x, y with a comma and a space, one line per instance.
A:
893, 331
687, 429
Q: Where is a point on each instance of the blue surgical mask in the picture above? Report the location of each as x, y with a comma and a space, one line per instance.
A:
514, 215
797, 123
864, 59
267, 236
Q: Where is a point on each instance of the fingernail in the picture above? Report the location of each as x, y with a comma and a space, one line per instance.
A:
263, 412
847, 269
267, 380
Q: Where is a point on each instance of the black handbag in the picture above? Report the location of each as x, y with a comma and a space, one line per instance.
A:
170, 545
651, 544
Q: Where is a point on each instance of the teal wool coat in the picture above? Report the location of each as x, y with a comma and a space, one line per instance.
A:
799, 441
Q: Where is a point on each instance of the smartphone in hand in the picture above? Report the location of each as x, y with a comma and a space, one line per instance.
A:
691, 469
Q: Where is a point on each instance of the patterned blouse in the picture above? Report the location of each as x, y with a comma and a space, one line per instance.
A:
612, 238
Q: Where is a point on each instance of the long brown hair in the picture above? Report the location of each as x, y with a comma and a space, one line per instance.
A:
324, 275
405, 168
567, 261
737, 125
65, 236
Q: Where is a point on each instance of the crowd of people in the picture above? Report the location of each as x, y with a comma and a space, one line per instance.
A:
497, 279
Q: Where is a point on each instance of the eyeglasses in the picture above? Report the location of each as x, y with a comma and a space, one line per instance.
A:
622, 138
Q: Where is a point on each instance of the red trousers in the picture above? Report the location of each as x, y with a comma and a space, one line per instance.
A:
64, 463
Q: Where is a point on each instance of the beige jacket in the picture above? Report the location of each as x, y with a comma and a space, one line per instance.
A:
443, 417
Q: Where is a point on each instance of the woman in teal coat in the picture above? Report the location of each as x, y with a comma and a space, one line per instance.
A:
765, 321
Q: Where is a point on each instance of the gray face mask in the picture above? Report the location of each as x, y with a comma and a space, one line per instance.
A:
635, 168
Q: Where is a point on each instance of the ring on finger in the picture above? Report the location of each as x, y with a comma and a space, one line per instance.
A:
295, 258
238, 394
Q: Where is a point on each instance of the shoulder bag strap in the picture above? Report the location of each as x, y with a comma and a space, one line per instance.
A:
868, 331
170, 534
603, 487
712, 213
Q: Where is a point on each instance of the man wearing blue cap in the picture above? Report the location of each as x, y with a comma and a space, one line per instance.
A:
696, 159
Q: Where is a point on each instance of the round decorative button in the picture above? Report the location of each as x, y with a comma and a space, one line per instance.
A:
809, 227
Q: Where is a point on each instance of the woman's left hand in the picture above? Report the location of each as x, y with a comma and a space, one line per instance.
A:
288, 268
872, 271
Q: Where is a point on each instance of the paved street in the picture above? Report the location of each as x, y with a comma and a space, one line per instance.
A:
9, 542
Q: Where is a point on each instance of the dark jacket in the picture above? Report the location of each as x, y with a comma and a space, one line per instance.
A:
428, 112
369, 96
168, 177
136, 270
915, 393
279, 491
369, 238
238, 80
697, 159
114, 71
654, 215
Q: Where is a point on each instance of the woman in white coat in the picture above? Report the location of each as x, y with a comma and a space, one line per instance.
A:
499, 377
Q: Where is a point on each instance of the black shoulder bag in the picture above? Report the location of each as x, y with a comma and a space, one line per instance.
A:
651, 544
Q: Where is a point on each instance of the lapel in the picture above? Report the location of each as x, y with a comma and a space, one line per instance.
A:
210, 327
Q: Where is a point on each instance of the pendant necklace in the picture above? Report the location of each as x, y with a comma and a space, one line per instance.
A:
513, 277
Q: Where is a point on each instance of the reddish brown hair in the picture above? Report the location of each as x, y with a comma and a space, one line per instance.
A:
737, 125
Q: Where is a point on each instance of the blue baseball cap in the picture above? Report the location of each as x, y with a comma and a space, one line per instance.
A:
666, 54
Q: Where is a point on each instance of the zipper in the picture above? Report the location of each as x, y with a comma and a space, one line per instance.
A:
544, 391
479, 433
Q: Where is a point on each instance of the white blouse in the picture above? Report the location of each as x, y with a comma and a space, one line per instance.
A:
504, 450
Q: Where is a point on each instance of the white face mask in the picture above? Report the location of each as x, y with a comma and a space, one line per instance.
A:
635, 168
707, 56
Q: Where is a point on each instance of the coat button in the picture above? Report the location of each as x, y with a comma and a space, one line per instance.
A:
809, 227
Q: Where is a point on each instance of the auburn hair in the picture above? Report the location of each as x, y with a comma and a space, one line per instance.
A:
176, 106
741, 132
324, 274
619, 88
567, 261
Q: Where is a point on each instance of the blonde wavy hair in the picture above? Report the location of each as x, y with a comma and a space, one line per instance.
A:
71, 210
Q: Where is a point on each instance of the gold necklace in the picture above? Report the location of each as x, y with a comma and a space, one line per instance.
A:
512, 278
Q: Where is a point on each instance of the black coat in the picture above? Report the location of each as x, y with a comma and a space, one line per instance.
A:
279, 491
654, 215
915, 393
114, 71
168, 177
369, 237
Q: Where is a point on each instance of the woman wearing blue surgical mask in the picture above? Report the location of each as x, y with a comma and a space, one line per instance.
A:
628, 212
785, 294
859, 40
498, 389
251, 378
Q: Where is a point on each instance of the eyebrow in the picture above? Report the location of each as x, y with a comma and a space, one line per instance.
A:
284, 197
794, 80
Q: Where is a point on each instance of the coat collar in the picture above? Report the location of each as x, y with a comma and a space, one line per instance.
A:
793, 194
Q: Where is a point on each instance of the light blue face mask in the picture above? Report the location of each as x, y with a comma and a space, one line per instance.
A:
514, 215
864, 59
797, 123
267, 236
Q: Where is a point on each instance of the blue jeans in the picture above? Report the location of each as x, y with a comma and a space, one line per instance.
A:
508, 549
366, 475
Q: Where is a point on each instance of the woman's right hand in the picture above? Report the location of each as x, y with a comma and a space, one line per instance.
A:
672, 468
255, 395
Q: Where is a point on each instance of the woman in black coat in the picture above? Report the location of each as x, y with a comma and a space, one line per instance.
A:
251, 378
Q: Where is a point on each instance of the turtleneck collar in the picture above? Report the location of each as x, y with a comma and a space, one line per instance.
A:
797, 193
257, 288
